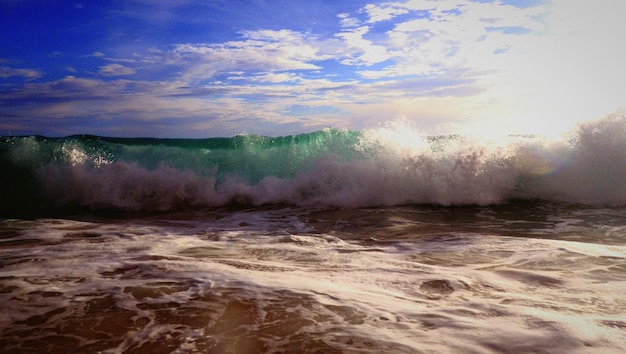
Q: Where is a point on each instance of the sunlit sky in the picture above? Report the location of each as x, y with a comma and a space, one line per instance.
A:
183, 68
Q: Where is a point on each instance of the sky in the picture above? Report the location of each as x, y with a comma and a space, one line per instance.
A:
195, 69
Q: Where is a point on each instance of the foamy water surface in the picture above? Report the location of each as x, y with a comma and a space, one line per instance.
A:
518, 277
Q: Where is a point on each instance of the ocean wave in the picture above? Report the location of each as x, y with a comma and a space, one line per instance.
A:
390, 165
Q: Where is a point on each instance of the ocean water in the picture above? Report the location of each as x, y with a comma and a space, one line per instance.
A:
374, 241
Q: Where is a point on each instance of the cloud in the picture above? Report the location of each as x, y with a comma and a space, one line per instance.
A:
72, 88
362, 51
231, 109
262, 50
438, 36
277, 77
115, 70
347, 21
385, 11
29, 74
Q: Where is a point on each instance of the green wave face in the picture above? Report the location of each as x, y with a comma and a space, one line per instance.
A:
249, 158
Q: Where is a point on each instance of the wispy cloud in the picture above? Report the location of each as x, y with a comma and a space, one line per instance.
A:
29, 74
263, 50
115, 70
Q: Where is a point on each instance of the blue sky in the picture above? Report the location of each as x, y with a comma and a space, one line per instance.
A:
183, 68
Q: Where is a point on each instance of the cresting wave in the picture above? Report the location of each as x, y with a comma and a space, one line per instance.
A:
391, 165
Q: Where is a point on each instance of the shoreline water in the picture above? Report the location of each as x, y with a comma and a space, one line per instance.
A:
521, 277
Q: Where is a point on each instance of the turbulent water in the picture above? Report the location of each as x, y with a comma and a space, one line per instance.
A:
373, 241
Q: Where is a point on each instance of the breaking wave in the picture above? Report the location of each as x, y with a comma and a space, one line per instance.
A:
390, 165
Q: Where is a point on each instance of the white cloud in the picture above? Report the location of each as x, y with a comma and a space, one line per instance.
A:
276, 77
443, 35
264, 51
346, 21
115, 70
29, 74
385, 11
96, 54
360, 50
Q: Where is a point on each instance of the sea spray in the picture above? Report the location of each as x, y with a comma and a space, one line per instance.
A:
595, 168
